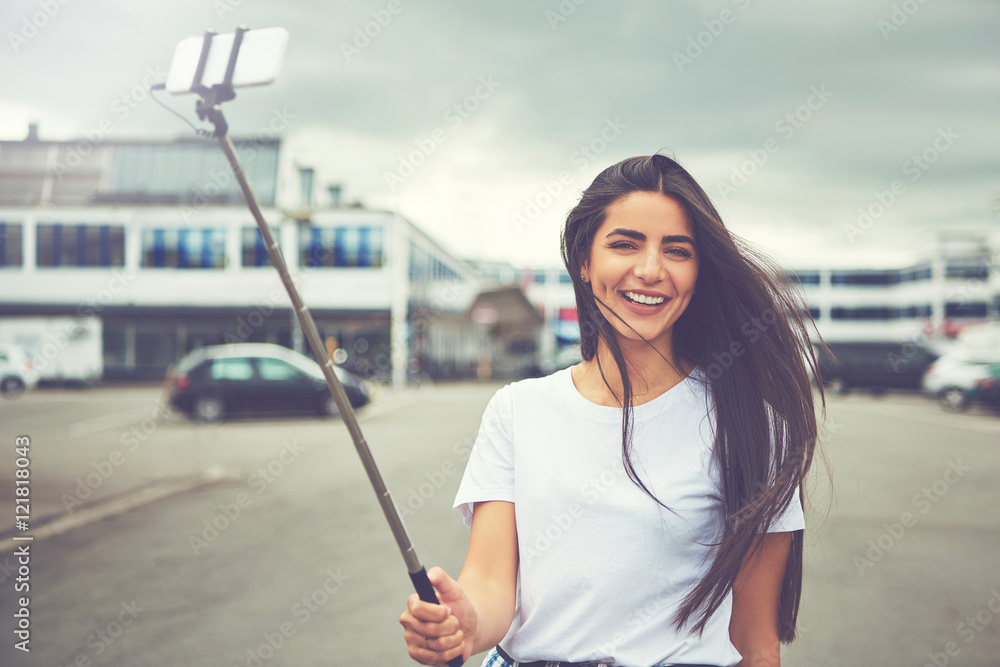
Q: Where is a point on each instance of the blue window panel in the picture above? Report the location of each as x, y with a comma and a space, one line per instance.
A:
105, 245
57, 245
376, 246
182, 249
206, 249
339, 249
364, 259
159, 248
81, 245
259, 251
315, 246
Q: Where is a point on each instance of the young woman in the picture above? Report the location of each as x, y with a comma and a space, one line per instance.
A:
643, 507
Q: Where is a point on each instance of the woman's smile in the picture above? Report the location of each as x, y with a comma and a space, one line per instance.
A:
642, 266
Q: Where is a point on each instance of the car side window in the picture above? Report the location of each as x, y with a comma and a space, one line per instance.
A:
231, 369
276, 370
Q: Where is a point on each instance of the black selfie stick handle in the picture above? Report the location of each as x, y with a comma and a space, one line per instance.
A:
426, 592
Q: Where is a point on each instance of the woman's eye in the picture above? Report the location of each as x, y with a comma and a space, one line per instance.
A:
680, 252
622, 244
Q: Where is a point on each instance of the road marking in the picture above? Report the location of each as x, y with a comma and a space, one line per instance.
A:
973, 423
103, 509
109, 421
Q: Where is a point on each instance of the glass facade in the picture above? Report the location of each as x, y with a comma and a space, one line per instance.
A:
79, 245
341, 247
426, 267
184, 248
196, 172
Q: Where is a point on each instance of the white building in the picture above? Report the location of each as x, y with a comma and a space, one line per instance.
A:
154, 238
929, 293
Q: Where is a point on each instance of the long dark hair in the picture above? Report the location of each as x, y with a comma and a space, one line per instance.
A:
761, 397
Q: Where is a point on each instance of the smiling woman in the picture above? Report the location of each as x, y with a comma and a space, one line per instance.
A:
643, 507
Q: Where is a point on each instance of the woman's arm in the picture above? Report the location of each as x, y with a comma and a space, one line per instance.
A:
489, 575
476, 611
753, 628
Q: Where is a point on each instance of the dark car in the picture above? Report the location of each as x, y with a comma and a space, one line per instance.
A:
874, 365
213, 382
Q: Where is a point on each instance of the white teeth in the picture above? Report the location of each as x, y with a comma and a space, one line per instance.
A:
648, 300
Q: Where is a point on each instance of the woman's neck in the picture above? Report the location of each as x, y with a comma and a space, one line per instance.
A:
651, 373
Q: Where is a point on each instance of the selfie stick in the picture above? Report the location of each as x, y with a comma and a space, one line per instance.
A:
208, 107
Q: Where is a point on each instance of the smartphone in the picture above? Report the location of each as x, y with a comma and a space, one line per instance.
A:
257, 63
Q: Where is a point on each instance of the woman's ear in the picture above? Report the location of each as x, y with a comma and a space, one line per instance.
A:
584, 272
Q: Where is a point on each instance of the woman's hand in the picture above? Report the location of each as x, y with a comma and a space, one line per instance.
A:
436, 633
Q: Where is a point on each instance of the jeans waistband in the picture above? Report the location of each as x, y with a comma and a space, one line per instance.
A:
556, 663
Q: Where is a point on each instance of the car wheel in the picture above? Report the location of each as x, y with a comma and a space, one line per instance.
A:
328, 407
953, 399
209, 408
11, 387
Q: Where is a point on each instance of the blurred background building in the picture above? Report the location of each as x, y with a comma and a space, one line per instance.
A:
118, 257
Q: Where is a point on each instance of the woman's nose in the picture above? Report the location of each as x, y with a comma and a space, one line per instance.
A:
650, 267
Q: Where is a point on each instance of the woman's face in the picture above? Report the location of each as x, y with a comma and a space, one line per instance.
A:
643, 266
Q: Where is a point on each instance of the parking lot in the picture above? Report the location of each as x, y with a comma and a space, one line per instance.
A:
259, 541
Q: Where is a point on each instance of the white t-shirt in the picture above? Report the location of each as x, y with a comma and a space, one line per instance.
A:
603, 568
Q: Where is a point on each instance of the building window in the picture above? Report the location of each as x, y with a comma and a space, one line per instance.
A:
864, 278
865, 313
916, 311
804, 277
976, 270
11, 253
80, 245
915, 273
254, 251
564, 279
184, 248
961, 309
341, 247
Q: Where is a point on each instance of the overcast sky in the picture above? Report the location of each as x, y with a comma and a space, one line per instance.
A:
791, 114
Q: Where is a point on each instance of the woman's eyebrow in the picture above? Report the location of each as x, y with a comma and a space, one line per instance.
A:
639, 236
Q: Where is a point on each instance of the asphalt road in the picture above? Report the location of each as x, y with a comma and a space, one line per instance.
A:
259, 542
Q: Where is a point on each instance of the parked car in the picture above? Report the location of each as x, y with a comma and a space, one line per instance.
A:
988, 389
213, 382
16, 372
874, 365
952, 378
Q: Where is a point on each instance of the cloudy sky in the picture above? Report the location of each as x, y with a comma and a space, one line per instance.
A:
481, 122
